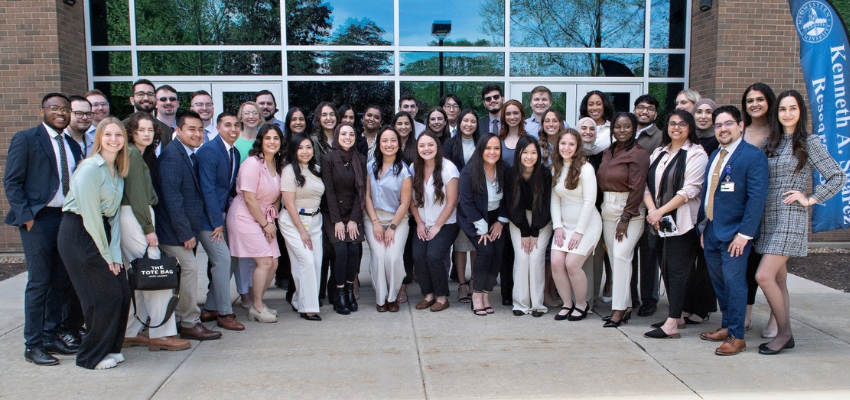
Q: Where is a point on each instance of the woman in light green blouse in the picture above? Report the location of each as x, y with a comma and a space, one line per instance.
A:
89, 244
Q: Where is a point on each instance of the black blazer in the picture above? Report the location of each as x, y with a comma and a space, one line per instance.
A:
473, 206
31, 178
484, 125
456, 157
539, 218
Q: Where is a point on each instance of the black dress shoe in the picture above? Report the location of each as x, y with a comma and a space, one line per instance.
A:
518, 313
507, 302
59, 347
659, 333
537, 314
763, 349
314, 317
38, 356
647, 310
70, 339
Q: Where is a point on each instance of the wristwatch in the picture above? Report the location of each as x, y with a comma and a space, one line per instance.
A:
393, 226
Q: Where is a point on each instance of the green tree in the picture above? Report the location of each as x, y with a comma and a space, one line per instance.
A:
363, 32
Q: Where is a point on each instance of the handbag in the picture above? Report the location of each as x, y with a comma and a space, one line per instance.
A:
150, 274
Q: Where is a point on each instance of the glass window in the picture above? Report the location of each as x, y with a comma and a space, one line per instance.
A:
667, 25
428, 93
110, 22
454, 64
589, 24
209, 63
559, 103
118, 95
667, 65
666, 94
308, 95
111, 63
207, 22
576, 64
339, 22
340, 62
473, 22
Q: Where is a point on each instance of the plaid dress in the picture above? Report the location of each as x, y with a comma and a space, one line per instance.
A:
785, 227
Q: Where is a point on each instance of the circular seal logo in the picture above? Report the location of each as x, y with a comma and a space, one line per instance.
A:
814, 21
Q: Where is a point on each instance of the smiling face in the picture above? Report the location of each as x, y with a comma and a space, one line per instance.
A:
271, 143
389, 143
789, 114
595, 108
100, 107
298, 123
677, 128
468, 125
144, 98
529, 157
203, 105
229, 129
726, 129
703, 116
81, 116
403, 126
305, 151
410, 107
493, 101
346, 137
567, 147
143, 136
267, 106
551, 124
756, 104
684, 103
328, 118
59, 119
192, 132
251, 116
166, 102
493, 151
587, 130
623, 130
372, 119
540, 102
436, 122
112, 140
645, 113
427, 147
348, 117
452, 109
513, 117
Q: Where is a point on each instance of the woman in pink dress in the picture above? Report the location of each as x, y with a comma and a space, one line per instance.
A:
250, 220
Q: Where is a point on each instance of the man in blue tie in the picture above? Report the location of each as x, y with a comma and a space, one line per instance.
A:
218, 165
202, 104
39, 165
734, 193
180, 218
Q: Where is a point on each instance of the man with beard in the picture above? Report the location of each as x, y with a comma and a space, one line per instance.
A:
493, 98
81, 121
166, 105
268, 105
144, 100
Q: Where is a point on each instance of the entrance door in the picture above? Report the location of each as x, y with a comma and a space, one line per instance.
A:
566, 97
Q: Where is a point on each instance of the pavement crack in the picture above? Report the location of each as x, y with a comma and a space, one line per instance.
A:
418, 352
657, 361
161, 385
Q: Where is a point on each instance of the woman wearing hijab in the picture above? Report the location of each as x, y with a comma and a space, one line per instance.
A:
598, 262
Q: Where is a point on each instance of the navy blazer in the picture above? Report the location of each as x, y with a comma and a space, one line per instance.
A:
472, 206
32, 178
484, 125
180, 214
215, 178
738, 211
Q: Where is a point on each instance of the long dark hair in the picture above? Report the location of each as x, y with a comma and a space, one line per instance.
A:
318, 131
536, 180
503, 131
445, 133
409, 145
768, 95
685, 116
133, 125
543, 139
292, 158
419, 175
631, 117
798, 138
379, 157
287, 131
457, 145
476, 163
607, 107
579, 158
340, 112
257, 148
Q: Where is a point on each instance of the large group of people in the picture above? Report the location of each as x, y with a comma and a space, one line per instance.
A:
714, 200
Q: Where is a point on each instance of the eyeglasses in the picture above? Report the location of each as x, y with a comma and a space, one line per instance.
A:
166, 99
99, 105
645, 108
250, 113
144, 94
727, 125
203, 105
682, 124
58, 109
493, 97
83, 114
452, 106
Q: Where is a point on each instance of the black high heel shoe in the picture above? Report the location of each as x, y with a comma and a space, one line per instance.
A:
611, 323
559, 317
349, 294
583, 314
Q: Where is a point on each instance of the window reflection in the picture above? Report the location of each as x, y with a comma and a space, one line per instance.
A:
207, 22
666, 94
590, 24
110, 22
454, 64
474, 23
339, 22
111, 63
667, 26
576, 64
340, 63
209, 63
428, 93
116, 94
308, 95
666, 65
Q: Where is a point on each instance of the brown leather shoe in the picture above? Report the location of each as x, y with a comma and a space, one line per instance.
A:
716, 336
208, 316
229, 322
392, 306
198, 332
425, 303
135, 341
439, 306
381, 308
731, 346
169, 343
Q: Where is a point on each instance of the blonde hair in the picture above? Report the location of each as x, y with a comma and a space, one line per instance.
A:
691, 94
256, 108
122, 161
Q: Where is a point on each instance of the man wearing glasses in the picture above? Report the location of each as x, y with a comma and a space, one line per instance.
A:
202, 104
144, 100
493, 99
100, 108
452, 105
648, 135
39, 165
166, 105
81, 121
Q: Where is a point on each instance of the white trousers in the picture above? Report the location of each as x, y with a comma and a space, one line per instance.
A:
306, 263
149, 303
387, 263
529, 275
620, 253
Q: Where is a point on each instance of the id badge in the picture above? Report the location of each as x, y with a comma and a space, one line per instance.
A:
727, 186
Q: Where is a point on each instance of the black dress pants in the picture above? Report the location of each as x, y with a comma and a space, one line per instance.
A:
489, 260
408, 252
430, 257
506, 273
676, 258
104, 296
699, 296
347, 263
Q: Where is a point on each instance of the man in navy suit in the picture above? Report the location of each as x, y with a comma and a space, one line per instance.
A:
38, 174
180, 218
218, 164
734, 193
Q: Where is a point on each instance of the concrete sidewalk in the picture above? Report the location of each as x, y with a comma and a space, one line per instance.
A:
453, 354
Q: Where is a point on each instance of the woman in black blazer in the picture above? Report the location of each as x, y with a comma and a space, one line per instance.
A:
482, 215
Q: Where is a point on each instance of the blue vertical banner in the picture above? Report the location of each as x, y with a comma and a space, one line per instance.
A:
824, 48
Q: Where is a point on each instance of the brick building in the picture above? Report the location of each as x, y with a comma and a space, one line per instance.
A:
664, 46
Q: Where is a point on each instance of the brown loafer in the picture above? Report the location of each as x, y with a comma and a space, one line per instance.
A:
381, 307
208, 316
716, 336
169, 343
198, 332
135, 341
425, 303
437, 306
229, 322
731, 346
392, 306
